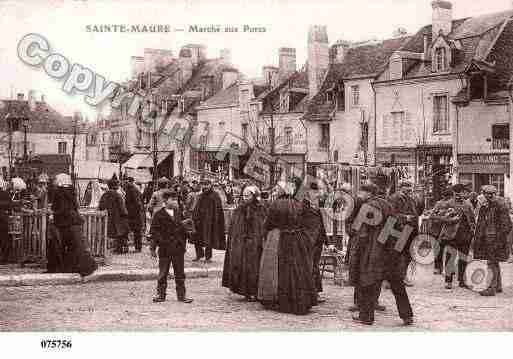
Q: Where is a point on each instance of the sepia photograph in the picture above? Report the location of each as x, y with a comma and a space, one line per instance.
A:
235, 166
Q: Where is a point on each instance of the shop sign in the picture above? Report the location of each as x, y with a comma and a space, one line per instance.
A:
403, 157
483, 158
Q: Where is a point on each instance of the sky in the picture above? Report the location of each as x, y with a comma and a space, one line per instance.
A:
63, 23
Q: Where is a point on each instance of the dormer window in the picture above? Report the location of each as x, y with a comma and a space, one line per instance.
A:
440, 59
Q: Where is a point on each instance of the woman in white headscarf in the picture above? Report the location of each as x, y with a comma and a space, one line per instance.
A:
244, 246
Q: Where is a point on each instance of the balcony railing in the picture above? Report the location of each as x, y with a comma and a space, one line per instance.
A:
500, 143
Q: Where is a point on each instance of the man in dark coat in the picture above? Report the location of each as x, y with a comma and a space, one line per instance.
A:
117, 226
377, 260
135, 209
168, 234
491, 240
407, 212
435, 226
456, 235
313, 225
208, 217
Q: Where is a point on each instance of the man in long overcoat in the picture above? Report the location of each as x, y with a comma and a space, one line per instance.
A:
491, 240
117, 226
135, 209
376, 260
208, 218
456, 242
407, 212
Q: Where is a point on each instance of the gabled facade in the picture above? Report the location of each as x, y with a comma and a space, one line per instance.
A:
442, 99
339, 115
179, 85
47, 131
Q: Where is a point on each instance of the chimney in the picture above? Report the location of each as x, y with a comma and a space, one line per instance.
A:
230, 76
396, 66
269, 73
318, 57
226, 56
20, 96
442, 18
426, 45
185, 63
198, 52
137, 64
339, 50
287, 61
43, 98
32, 99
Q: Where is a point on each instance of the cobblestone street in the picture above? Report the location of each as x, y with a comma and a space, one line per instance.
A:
126, 306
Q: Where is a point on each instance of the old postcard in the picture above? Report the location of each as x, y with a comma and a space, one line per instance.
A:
255, 166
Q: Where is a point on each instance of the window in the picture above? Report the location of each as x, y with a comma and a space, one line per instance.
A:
62, 150
329, 97
355, 95
497, 180
440, 59
325, 136
500, 137
398, 126
288, 137
244, 94
340, 99
245, 131
440, 114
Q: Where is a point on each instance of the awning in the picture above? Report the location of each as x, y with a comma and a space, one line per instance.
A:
144, 160
96, 169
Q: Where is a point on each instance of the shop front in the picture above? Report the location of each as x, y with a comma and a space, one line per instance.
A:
401, 158
435, 168
481, 169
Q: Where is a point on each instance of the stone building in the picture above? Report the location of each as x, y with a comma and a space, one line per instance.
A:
178, 85
339, 114
48, 133
442, 102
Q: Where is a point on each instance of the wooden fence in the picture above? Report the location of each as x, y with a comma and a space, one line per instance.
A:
30, 233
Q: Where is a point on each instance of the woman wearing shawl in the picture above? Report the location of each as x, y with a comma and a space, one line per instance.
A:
77, 258
244, 247
285, 280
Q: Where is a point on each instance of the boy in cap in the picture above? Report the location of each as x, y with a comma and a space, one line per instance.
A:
168, 233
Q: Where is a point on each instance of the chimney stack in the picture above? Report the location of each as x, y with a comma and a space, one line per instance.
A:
442, 18
226, 56
20, 96
339, 51
287, 61
32, 99
43, 98
318, 57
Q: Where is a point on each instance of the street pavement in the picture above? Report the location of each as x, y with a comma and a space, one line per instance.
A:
127, 306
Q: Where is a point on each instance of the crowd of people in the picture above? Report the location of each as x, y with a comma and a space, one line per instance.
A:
275, 237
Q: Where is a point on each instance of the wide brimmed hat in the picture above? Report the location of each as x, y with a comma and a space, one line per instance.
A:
63, 180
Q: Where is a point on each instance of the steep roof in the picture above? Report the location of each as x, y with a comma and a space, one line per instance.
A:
359, 62
228, 96
474, 35
43, 119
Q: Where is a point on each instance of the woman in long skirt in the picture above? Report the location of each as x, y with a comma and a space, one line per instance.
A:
286, 282
244, 248
67, 219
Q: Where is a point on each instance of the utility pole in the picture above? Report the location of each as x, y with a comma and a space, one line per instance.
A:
73, 149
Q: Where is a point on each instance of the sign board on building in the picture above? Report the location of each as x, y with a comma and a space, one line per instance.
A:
402, 156
483, 163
